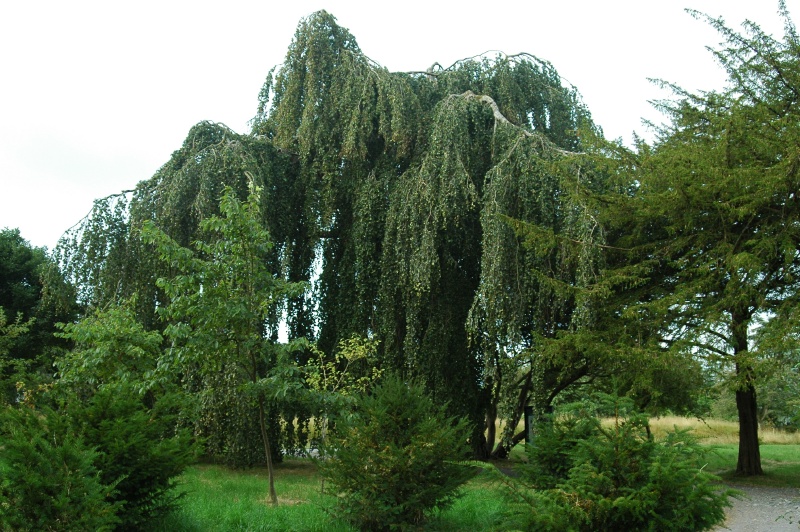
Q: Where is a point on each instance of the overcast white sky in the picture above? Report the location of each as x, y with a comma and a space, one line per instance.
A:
96, 95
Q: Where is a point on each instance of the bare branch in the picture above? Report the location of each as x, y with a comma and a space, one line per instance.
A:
499, 117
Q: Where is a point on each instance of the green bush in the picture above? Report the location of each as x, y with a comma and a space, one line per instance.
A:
551, 457
137, 448
91, 464
618, 478
48, 477
392, 458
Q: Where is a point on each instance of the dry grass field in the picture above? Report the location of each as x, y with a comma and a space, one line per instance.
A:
709, 431
718, 432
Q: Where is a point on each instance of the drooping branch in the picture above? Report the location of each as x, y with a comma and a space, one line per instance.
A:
499, 117
99, 200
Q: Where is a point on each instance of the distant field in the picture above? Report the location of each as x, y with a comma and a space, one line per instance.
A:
709, 431
717, 432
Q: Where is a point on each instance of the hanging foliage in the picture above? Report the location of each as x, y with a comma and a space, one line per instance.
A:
392, 194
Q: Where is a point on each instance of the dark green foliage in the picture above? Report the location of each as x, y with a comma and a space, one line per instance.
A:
106, 384
33, 294
392, 458
93, 463
49, 478
137, 448
228, 422
392, 187
594, 476
550, 454
716, 219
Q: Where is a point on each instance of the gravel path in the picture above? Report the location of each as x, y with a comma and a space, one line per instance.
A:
764, 510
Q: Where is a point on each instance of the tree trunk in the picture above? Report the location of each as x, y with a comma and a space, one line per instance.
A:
273, 497
509, 439
491, 421
502, 451
749, 462
491, 427
493, 391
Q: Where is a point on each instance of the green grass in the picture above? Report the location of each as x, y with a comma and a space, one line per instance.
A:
780, 450
220, 499
781, 464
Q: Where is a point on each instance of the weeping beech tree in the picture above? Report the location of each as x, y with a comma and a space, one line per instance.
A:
393, 194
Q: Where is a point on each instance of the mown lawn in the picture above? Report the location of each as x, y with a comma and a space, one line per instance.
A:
781, 464
220, 499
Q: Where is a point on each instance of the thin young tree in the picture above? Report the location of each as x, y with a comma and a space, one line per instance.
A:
222, 299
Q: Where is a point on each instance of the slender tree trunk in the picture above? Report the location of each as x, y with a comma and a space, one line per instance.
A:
491, 427
273, 497
491, 412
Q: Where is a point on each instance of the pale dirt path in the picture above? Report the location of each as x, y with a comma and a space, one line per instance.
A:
764, 509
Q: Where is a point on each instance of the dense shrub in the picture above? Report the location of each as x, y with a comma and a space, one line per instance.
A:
618, 478
91, 464
136, 447
48, 476
391, 460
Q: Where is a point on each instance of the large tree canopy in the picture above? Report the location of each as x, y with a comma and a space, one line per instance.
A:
717, 218
390, 193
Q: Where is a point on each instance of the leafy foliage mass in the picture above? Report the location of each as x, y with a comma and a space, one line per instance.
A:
474, 223
139, 452
48, 476
716, 221
222, 300
33, 298
92, 464
591, 476
388, 191
392, 458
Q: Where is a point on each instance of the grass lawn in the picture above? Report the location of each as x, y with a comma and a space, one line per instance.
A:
220, 499
781, 464
780, 451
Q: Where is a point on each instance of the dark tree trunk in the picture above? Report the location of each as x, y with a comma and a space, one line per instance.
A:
491, 428
490, 423
502, 451
749, 462
509, 439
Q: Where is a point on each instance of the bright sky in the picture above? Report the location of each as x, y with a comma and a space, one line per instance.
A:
96, 95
